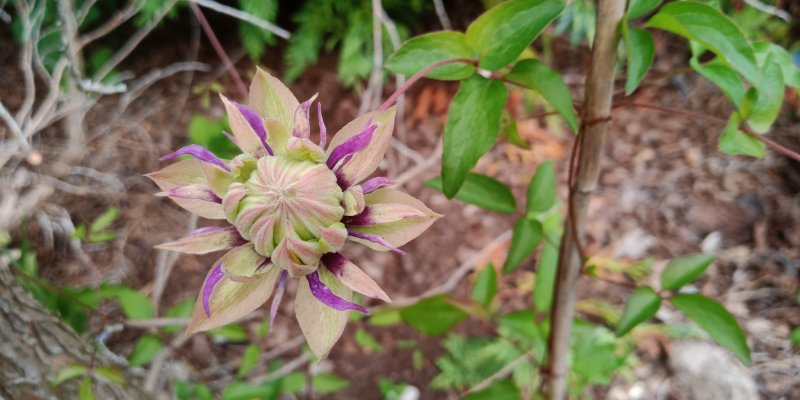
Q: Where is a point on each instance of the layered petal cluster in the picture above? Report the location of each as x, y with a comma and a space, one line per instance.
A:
291, 204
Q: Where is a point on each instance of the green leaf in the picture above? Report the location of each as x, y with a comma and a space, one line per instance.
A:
433, 316
542, 189
180, 310
86, 392
509, 131
255, 39
526, 236
542, 79
794, 336
502, 33
250, 391
293, 383
428, 49
683, 270
485, 286
498, 390
641, 53
724, 78
715, 31
104, 220
781, 57
368, 342
483, 192
80, 232
250, 358
102, 237
328, 383
188, 391
136, 305
69, 372
145, 350
769, 99
390, 390
713, 318
641, 306
112, 375
637, 8
207, 132
473, 124
734, 141
229, 333
387, 317
545, 278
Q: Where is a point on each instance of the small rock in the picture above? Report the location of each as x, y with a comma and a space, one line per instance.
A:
702, 371
712, 242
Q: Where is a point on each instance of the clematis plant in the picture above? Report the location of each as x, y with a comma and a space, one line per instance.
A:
291, 204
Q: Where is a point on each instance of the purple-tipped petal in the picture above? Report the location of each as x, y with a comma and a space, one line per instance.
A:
192, 192
375, 239
323, 130
208, 287
231, 138
301, 126
362, 219
335, 262
352, 276
327, 297
200, 153
276, 301
205, 229
351, 146
257, 124
375, 183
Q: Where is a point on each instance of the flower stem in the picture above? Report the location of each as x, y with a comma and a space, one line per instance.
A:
218, 48
402, 89
590, 146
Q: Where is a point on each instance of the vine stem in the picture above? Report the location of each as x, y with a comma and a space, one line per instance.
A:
596, 117
414, 78
219, 49
770, 143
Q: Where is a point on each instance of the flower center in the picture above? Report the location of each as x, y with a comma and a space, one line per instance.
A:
286, 207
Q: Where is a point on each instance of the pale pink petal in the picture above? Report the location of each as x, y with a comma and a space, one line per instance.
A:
384, 213
353, 277
373, 184
301, 125
188, 172
323, 130
257, 123
365, 161
396, 232
206, 240
272, 99
199, 153
372, 241
246, 137
243, 263
276, 301
193, 191
321, 325
278, 135
229, 300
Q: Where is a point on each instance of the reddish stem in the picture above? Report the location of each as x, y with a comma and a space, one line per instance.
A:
218, 48
773, 145
402, 89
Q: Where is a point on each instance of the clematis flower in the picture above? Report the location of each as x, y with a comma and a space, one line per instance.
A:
291, 204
